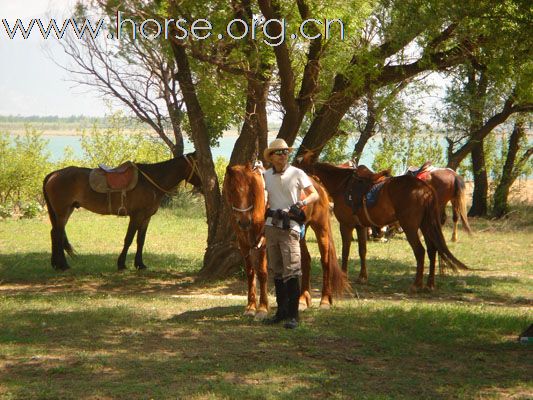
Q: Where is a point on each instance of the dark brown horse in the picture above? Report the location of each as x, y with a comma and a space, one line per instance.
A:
405, 199
450, 187
68, 188
244, 192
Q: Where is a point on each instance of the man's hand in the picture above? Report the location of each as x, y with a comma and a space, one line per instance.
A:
300, 203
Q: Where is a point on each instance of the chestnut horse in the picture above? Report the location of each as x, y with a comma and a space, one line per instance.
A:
449, 187
244, 191
68, 188
405, 199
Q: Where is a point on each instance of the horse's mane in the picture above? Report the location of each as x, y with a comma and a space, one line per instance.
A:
330, 168
165, 163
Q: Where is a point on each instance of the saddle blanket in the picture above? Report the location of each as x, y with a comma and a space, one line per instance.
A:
373, 193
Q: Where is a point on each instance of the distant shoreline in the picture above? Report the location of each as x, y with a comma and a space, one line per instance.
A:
74, 132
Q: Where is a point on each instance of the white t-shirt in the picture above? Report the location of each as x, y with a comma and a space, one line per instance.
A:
284, 189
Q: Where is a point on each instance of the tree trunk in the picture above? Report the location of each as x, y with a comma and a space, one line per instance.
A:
510, 171
481, 184
222, 258
368, 130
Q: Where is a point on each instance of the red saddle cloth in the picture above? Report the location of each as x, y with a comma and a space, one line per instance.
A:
120, 180
423, 175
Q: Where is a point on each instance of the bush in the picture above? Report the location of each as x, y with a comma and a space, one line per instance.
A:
121, 140
400, 150
23, 166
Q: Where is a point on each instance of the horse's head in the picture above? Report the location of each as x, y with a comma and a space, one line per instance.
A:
193, 173
244, 192
305, 160
364, 172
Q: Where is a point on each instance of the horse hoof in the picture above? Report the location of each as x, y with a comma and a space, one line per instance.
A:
362, 281
325, 306
302, 306
121, 268
141, 267
260, 316
430, 288
249, 312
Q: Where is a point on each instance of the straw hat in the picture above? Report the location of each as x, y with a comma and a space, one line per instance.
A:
276, 144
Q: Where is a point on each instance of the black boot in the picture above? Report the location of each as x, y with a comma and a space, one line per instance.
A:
282, 300
293, 293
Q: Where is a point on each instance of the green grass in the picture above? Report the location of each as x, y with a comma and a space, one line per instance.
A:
94, 333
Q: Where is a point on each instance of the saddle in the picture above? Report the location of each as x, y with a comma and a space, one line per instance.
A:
363, 187
109, 180
421, 173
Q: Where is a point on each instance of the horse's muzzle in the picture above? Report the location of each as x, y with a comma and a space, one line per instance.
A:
244, 224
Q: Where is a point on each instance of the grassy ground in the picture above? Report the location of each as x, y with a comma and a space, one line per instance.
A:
93, 333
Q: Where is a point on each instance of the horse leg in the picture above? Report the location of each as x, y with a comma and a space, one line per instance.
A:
262, 277
432, 255
141, 235
250, 280
361, 241
59, 239
346, 234
305, 293
132, 228
322, 239
414, 240
455, 214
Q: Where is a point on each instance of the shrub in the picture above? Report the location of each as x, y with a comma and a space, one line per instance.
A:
121, 140
23, 166
400, 150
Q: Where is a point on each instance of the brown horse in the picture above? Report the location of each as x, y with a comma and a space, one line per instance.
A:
244, 192
68, 188
405, 199
450, 187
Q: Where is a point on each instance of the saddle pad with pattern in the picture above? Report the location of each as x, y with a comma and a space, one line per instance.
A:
373, 194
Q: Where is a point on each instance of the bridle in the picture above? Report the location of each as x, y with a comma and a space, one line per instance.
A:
259, 241
194, 167
242, 210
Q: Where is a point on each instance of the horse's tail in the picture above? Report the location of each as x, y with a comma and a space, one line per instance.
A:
51, 212
432, 230
460, 199
338, 279
53, 217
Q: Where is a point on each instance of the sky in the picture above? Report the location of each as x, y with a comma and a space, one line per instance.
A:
30, 82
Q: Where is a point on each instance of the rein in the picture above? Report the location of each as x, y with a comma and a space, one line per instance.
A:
170, 192
151, 180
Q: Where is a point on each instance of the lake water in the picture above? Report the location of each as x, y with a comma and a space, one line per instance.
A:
57, 145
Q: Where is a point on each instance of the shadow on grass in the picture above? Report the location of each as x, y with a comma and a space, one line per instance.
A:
392, 279
363, 352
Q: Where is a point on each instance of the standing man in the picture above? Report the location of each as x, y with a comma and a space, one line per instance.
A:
285, 185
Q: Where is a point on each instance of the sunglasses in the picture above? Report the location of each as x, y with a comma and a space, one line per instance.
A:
283, 152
